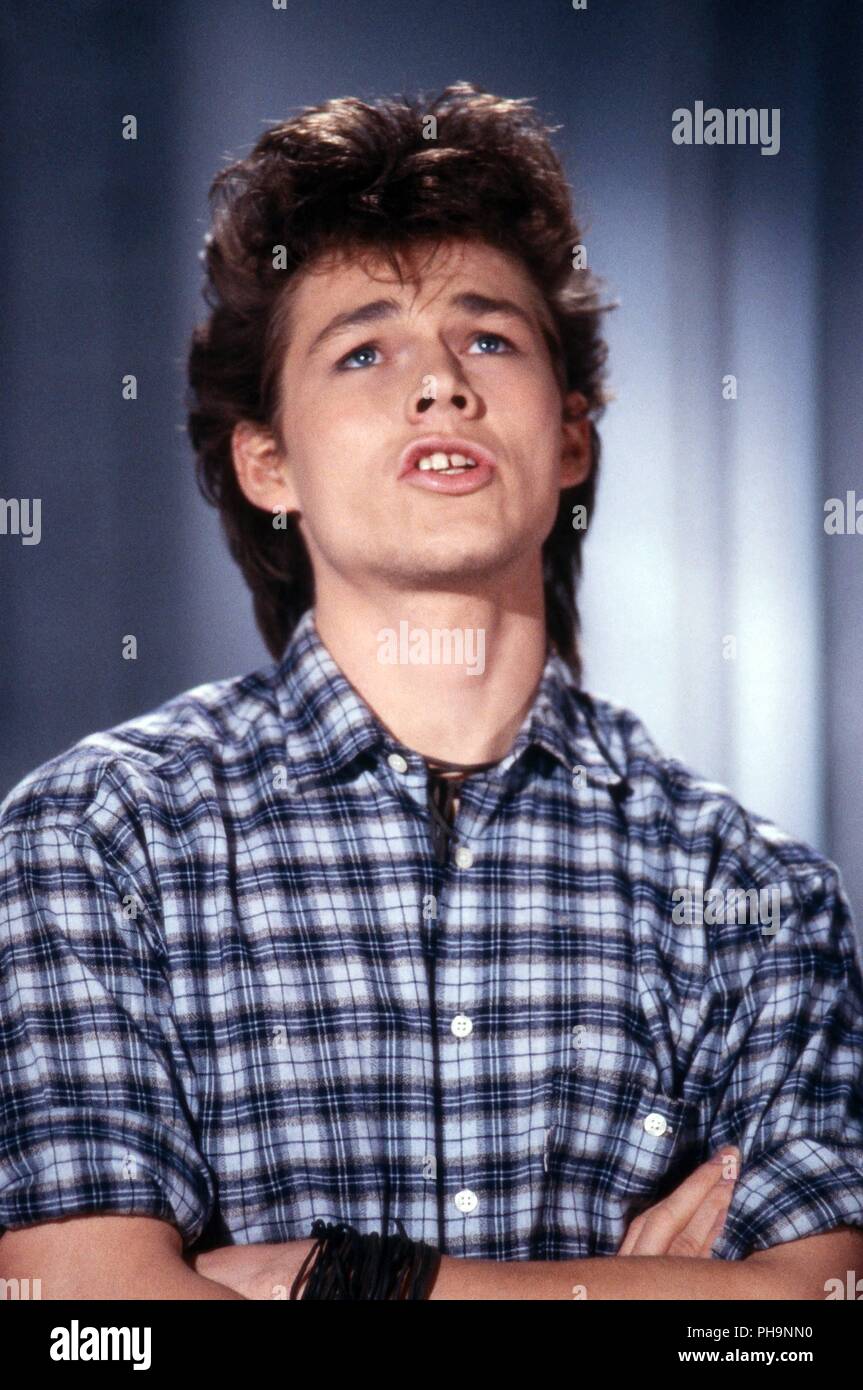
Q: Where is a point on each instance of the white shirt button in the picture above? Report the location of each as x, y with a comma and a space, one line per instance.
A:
397, 762
463, 857
655, 1124
466, 1201
462, 1026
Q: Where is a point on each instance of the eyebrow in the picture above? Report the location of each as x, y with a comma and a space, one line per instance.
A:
378, 309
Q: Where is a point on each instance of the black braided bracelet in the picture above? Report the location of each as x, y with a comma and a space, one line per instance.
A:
346, 1265
353, 1266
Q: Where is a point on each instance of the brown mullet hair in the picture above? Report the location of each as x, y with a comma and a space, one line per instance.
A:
379, 178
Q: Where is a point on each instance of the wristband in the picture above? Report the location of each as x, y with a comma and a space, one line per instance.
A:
343, 1264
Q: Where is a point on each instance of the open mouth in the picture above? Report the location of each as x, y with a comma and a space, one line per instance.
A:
447, 465
445, 456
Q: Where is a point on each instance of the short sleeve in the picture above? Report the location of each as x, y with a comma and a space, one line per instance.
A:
96, 1110
791, 1079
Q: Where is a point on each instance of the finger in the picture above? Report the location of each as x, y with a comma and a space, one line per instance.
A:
631, 1234
706, 1249
714, 1235
682, 1204
662, 1223
657, 1229
701, 1231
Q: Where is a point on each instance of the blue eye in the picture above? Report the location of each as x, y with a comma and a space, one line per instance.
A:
492, 337
349, 364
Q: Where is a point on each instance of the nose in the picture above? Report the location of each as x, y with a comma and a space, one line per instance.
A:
425, 402
442, 391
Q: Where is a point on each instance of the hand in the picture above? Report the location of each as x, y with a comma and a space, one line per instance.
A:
690, 1218
258, 1272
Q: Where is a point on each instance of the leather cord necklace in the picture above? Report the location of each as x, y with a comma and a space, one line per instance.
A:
444, 788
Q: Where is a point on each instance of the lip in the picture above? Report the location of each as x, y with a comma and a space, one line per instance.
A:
469, 481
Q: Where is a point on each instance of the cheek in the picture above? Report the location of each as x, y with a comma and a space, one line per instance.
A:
531, 423
529, 396
338, 470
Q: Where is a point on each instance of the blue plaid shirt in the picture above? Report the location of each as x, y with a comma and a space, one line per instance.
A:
238, 992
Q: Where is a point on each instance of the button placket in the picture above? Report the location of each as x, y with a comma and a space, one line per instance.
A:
476, 807
408, 785
456, 1007
473, 810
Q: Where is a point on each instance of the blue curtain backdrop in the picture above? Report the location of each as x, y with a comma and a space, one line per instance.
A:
709, 523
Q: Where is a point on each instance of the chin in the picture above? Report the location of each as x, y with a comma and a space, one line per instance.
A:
460, 562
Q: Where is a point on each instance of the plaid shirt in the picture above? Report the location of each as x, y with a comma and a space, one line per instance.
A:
238, 992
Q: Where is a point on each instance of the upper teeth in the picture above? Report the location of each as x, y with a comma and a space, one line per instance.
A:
440, 461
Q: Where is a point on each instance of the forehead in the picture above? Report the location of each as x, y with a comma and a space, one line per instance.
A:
428, 274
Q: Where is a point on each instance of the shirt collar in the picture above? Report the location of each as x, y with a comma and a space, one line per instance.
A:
329, 724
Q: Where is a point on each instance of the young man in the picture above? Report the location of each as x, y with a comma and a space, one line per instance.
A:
390, 928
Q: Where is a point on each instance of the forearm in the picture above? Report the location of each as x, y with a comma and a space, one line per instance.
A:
158, 1283
796, 1270
103, 1256
92, 1277
612, 1277
174, 1282
256, 1271
260, 1271
157, 1279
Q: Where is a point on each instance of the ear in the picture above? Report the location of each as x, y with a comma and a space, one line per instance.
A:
262, 469
577, 455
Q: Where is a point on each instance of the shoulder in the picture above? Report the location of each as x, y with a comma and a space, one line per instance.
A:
698, 824
163, 757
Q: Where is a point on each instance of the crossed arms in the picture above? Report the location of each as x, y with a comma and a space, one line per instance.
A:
664, 1255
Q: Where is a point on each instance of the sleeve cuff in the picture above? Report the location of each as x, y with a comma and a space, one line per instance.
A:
801, 1188
64, 1162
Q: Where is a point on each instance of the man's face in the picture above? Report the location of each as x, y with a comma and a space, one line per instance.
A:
432, 361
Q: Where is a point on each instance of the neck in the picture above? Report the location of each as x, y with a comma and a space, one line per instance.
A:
460, 696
